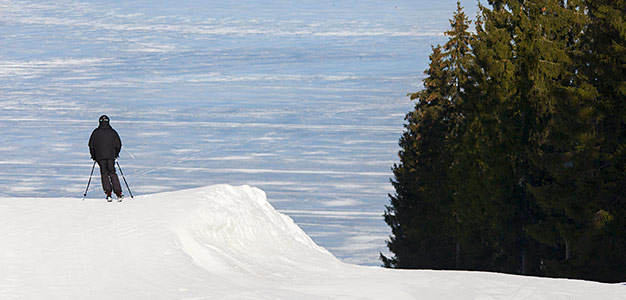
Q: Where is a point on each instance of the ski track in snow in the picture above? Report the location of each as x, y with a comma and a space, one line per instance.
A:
304, 99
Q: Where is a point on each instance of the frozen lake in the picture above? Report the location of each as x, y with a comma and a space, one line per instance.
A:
303, 99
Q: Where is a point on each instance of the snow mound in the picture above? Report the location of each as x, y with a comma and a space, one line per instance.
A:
215, 242
237, 228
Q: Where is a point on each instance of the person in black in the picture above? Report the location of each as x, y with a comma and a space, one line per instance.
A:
105, 146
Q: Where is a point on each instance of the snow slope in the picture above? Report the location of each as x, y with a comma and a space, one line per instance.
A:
216, 242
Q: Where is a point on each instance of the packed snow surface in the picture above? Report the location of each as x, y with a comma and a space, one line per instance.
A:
215, 242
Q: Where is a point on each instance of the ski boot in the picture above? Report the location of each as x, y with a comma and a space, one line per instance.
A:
109, 198
120, 197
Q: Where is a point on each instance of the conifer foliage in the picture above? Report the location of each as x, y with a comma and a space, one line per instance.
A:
514, 158
421, 211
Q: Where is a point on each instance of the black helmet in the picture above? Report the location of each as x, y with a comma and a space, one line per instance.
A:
104, 118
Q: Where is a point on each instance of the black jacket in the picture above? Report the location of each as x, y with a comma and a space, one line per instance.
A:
104, 143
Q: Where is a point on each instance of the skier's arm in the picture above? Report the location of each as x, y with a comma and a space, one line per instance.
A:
118, 145
92, 151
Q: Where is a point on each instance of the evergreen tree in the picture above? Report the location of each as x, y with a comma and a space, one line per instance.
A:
550, 87
607, 72
458, 52
484, 180
514, 159
421, 217
461, 58
582, 150
417, 214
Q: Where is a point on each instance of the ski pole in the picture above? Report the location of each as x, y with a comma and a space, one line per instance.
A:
127, 187
89, 182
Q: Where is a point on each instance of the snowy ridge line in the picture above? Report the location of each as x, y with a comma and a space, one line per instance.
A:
237, 226
331, 127
172, 245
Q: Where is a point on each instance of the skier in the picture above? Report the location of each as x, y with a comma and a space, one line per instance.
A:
105, 146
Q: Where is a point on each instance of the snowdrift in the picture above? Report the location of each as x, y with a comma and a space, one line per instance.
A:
216, 242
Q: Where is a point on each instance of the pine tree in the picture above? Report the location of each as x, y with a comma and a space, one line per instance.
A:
459, 53
484, 183
582, 196
421, 217
607, 72
522, 70
417, 214
514, 159
461, 58
548, 80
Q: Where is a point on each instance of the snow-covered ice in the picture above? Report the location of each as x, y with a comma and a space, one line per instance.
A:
215, 242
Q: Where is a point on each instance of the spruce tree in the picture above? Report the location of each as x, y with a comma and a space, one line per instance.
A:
417, 214
606, 36
458, 52
522, 69
420, 215
582, 197
484, 181
514, 159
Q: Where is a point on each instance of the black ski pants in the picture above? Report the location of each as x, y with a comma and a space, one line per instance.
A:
110, 181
